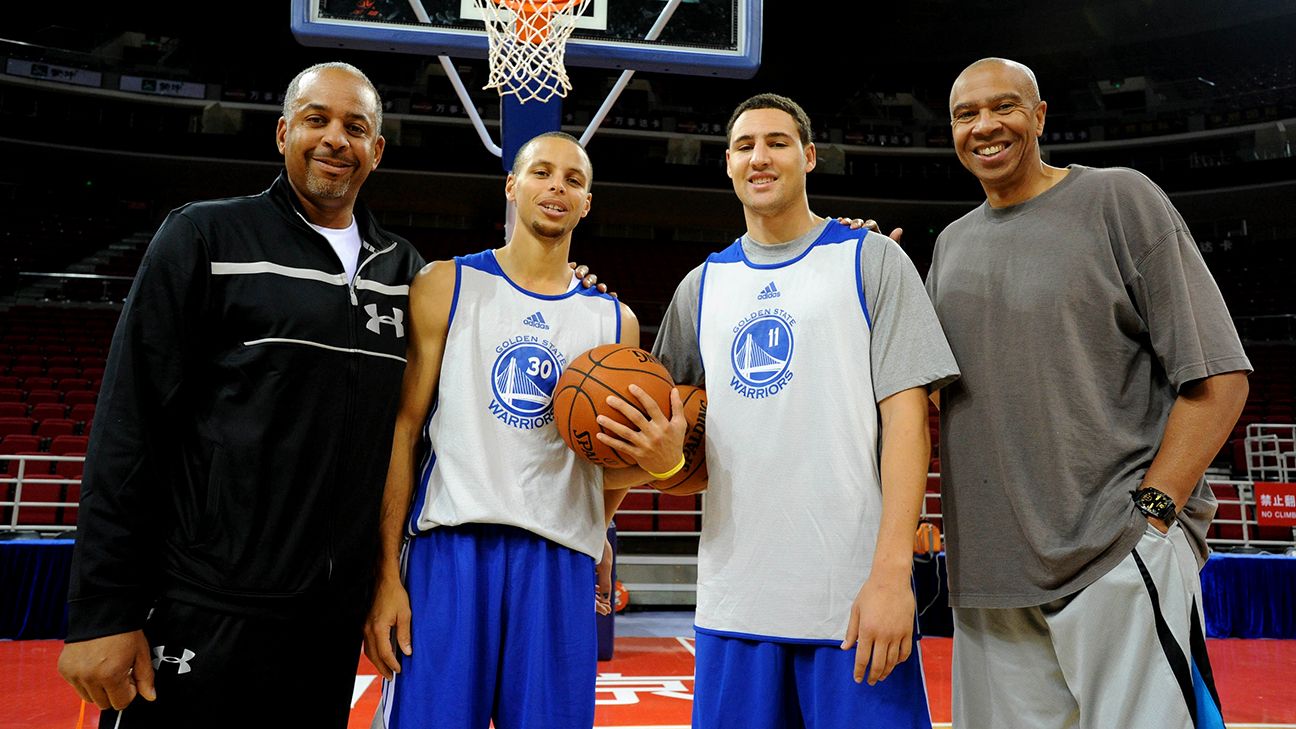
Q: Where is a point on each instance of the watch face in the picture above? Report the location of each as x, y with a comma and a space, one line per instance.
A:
1155, 503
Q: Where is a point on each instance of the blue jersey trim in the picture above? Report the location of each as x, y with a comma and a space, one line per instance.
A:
454, 299
832, 234
616, 307
859, 280
697, 324
767, 638
731, 254
426, 464
486, 262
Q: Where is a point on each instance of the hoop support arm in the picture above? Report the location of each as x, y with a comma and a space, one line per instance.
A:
653, 34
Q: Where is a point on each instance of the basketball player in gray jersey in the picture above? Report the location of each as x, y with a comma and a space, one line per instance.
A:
816, 344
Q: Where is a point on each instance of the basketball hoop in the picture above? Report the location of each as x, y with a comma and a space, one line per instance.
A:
527, 39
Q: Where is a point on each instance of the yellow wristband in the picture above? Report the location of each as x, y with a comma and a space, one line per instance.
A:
668, 474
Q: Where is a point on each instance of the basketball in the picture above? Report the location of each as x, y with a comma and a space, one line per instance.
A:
693, 477
580, 396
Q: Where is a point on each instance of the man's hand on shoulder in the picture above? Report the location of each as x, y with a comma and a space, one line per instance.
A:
109, 671
856, 224
588, 280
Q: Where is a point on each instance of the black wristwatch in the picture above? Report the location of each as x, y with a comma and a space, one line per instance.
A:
1151, 502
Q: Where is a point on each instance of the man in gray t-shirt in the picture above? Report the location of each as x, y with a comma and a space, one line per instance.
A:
1101, 373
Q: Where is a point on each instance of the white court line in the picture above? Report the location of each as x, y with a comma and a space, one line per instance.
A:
687, 645
1231, 725
362, 683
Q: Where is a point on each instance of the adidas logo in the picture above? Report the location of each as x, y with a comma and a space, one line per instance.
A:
769, 292
536, 320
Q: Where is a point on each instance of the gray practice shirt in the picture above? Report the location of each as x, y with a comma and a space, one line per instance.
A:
908, 348
1075, 317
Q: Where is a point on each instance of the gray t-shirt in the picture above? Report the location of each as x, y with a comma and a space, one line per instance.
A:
1075, 317
907, 346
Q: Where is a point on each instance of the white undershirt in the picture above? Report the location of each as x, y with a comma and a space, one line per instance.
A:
345, 242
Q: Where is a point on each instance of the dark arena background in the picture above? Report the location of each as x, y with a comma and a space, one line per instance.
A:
115, 113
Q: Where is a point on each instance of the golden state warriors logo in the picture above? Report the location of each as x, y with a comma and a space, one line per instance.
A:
762, 353
522, 381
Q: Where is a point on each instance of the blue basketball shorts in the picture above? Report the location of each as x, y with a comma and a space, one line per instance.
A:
502, 629
761, 684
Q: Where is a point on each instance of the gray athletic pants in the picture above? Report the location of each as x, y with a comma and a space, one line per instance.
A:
1127, 652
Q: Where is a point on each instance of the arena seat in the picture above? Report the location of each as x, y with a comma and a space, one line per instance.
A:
80, 397
82, 412
17, 426
53, 427
36, 397
67, 445
47, 410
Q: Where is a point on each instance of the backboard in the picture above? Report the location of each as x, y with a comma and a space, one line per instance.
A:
704, 37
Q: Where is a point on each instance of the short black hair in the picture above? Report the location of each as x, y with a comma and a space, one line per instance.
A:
522, 152
294, 89
772, 101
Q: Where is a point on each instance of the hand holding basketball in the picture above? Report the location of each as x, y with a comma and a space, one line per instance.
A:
581, 395
692, 478
657, 441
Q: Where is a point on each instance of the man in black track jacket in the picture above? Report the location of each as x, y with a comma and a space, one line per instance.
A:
227, 529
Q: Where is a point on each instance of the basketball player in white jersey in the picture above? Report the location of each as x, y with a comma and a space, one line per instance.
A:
489, 542
818, 348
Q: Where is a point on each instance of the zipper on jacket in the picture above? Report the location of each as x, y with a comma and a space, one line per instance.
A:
355, 301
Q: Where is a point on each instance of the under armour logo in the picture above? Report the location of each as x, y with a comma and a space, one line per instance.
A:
181, 661
375, 322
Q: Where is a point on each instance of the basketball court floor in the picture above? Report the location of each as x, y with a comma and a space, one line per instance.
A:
649, 682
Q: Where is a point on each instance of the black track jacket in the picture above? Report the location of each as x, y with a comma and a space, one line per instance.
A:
242, 434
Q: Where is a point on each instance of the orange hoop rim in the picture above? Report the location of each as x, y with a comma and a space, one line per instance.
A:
528, 8
529, 29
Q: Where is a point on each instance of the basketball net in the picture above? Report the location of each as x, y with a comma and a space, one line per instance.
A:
528, 39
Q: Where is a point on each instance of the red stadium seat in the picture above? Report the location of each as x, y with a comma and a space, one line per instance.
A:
39, 515
48, 410
10, 394
18, 443
9, 382
64, 445
34, 469
38, 382
74, 383
635, 522
70, 469
680, 522
82, 413
93, 373
13, 410
16, 426
80, 397
36, 397
55, 426
60, 373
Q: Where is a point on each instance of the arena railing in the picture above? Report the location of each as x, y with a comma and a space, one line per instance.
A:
1236, 509
19, 476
